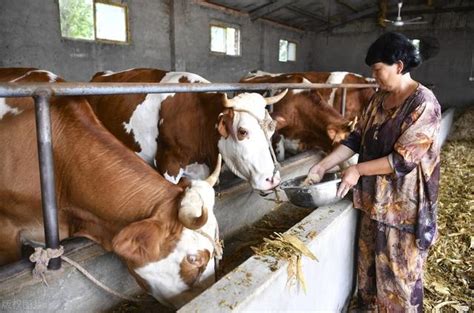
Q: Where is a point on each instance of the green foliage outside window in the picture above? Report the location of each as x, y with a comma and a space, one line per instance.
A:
77, 20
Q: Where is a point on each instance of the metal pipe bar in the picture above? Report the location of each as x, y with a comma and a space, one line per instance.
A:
46, 164
83, 89
42, 93
344, 96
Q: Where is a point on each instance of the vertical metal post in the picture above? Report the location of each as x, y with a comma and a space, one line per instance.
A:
46, 164
344, 95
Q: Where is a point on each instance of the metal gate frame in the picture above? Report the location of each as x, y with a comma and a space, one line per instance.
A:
42, 93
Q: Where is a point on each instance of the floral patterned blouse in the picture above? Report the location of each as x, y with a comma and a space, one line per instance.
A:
408, 136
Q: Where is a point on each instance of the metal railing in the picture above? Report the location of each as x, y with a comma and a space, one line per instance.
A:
42, 92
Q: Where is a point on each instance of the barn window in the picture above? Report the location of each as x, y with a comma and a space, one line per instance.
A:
93, 20
225, 40
287, 51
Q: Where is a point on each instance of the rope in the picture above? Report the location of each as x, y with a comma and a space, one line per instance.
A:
216, 243
41, 259
265, 124
100, 284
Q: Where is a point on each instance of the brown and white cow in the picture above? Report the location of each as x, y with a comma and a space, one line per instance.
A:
308, 119
105, 193
181, 134
356, 99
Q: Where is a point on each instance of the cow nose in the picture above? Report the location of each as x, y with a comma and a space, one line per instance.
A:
274, 180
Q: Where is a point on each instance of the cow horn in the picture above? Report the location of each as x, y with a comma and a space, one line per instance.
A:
278, 97
192, 222
227, 102
212, 179
352, 124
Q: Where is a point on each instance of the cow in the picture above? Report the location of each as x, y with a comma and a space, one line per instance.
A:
356, 99
181, 134
308, 119
165, 233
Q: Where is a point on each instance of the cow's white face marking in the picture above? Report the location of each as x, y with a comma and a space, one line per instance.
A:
250, 158
280, 149
335, 78
163, 277
144, 120
174, 179
5, 109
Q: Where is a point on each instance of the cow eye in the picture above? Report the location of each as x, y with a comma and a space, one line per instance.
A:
192, 258
242, 133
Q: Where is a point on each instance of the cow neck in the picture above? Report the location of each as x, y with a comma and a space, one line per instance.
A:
129, 189
210, 105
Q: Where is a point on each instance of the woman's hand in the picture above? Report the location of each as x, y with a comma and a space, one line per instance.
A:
349, 178
315, 175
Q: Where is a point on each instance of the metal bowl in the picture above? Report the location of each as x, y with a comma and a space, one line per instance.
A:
322, 193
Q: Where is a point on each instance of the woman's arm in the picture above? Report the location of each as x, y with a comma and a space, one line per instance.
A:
378, 166
352, 174
338, 155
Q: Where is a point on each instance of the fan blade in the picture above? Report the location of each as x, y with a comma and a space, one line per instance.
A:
385, 20
413, 23
414, 19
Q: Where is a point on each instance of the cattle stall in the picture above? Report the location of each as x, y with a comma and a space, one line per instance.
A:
42, 94
69, 290
302, 44
245, 288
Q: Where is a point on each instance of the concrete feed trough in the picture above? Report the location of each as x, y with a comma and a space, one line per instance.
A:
69, 291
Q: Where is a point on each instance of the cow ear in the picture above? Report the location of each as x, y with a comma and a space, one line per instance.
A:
139, 243
317, 98
224, 125
331, 131
281, 121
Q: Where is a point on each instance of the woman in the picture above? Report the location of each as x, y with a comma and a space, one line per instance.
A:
395, 184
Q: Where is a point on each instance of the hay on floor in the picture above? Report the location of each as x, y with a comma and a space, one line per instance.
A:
449, 269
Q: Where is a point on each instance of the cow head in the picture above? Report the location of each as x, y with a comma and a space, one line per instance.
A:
171, 262
338, 133
246, 127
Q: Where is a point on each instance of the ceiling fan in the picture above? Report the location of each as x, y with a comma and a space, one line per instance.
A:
399, 22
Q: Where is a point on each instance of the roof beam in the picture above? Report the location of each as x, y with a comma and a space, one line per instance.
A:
269, 8
349, 18
347, 5
307, 14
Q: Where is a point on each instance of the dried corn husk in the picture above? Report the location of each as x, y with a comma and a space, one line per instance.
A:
290, 248
280, 219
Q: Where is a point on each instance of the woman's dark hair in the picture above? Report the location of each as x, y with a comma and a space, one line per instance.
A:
392, 47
